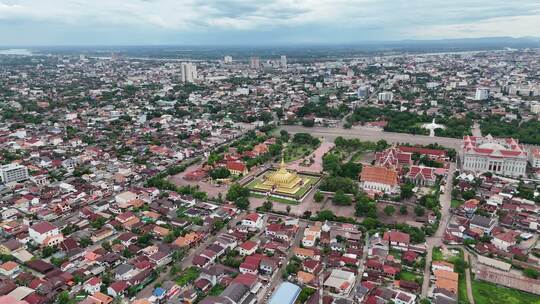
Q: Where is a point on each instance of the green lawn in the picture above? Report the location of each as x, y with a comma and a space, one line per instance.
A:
310, 181
216, 290
253, 183
488, 293
407, 276
462, 290
189, 275
437, 254
294, 152
274, 199
357, 156
456, 203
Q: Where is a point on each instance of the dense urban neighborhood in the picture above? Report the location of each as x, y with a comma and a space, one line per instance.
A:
385, 178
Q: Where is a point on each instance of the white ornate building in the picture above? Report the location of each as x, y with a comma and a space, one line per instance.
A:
503, 156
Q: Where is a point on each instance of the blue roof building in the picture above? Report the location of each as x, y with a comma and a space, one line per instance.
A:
285, 294
159, 292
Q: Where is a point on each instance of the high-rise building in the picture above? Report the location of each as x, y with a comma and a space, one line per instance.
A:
481, 94
189, 72
362, 92
503, 156
535, 107
283, 61
254, 62
13, 173
385, 96
227, 59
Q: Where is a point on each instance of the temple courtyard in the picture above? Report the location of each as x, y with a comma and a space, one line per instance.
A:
283, 185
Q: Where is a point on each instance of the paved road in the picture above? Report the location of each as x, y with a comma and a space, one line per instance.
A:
187, 260
436, 239
476, 130
370, 134
277, 278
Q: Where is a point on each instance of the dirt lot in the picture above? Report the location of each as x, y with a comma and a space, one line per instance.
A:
206, 186
409, 218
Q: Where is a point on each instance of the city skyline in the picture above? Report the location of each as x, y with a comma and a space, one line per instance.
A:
164, 22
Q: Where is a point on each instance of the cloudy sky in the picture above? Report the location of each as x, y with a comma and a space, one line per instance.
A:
218, 22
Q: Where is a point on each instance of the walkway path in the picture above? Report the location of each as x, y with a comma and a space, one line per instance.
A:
468, 278
436, 239
476, 130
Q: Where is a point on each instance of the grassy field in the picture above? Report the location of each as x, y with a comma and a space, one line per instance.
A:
488, 293
310, 180
456, 203
253, 183
462, 290
275, 199
437, 254
407, 276
294, 152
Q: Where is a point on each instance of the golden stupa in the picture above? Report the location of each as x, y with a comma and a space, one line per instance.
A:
282, 181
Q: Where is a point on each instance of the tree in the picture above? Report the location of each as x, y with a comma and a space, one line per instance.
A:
318, 197
419, 211
48, 251
531, 273
467, 195
85, 242
407, 190
144, 240
266, 117
98, 222
460, 265
288, 209
236, 191
220, 173
389, 210
370, 223
308, 122
326, 215
331, 163
242, 202
305, 139
381, 145
268, 206
63, 298
218, 224
350, 170
284, 135
341, 199
335, 183
403, 209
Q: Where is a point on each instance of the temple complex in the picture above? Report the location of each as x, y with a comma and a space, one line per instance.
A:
281, 181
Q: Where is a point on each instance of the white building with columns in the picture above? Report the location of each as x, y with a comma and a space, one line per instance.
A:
504, 156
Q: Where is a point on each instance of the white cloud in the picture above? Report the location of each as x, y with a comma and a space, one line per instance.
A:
514, 26
397, 19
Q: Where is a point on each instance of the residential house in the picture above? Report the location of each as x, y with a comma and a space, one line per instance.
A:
248, 248
397, 240
504, 240
253, 221
45, 234
486, 224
